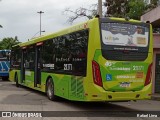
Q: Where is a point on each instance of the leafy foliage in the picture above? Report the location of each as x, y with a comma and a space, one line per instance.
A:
117, 8
137, 8
131, 8
7, 43
154, 4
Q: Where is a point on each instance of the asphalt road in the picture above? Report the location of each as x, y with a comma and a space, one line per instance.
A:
25, 99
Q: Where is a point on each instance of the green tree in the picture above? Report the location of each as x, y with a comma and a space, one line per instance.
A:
117, 8
154, 4
136, 9
7, 43
131, 8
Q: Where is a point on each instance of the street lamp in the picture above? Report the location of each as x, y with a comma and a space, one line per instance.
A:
40, 12
100, 8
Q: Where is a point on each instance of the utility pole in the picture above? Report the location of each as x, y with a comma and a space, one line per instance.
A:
40, 12
100, 8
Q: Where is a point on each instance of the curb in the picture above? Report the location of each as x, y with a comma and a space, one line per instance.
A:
155, 98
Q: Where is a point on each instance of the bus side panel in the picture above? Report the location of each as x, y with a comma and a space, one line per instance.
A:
76, 88
29, 79
66, 86
60, 83
93, 44
12, 75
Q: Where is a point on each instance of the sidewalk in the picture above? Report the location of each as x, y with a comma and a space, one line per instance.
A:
156, 96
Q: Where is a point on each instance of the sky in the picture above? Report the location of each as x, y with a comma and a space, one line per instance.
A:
20, 17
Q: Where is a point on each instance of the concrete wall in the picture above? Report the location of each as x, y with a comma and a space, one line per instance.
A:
153, 16
156, 40
156, 50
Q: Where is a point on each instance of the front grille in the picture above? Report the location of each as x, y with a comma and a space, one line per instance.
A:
124, 55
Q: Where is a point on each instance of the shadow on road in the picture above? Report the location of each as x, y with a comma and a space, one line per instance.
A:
3, 80
27, 96
95, 106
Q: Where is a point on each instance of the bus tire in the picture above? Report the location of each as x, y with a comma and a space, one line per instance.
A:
50, 90
16, 79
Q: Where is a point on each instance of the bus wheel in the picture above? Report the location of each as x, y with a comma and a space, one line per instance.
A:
50, 90
16, 79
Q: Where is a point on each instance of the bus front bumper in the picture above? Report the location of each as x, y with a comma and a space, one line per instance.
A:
3, 74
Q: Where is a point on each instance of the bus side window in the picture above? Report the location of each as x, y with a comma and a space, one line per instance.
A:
80, 50
29, 58
47, 56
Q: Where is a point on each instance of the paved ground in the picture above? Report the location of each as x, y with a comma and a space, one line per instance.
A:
25, 99
156, 96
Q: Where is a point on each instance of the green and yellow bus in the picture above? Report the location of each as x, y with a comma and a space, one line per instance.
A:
102, 59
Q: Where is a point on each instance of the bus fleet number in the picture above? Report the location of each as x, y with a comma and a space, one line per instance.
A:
137, 68
67, 66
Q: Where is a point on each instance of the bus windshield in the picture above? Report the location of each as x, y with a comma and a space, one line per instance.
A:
4, 55
122, 37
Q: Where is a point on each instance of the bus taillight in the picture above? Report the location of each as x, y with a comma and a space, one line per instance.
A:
96, 73
149, 75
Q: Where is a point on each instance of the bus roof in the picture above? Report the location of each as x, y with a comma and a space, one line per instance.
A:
73, 28
5, 50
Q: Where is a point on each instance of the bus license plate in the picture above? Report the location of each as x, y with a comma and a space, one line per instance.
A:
125, 84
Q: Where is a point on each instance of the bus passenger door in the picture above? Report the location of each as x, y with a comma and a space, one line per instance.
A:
37, 77
23, 65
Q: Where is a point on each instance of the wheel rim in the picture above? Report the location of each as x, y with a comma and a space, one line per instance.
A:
50, 89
